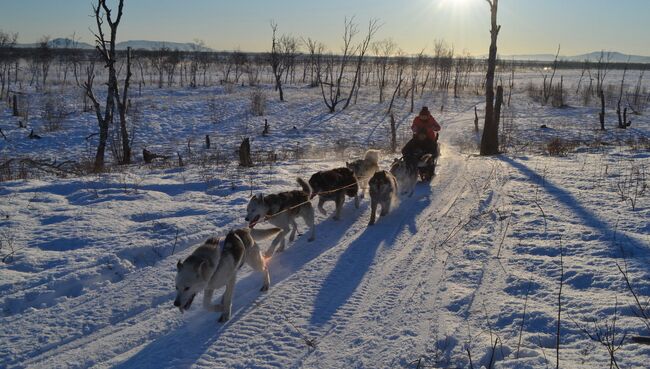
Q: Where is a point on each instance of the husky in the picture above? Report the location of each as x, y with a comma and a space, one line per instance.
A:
406, 175
406, 172
334, 185
383, 191
281, 210
209, 268
364, 168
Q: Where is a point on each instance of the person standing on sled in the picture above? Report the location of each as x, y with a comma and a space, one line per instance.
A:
425, 141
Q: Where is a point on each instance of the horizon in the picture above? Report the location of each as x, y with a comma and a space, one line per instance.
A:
463, 24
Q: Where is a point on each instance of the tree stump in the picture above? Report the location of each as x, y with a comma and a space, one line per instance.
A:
207, 142
245, 153
149, 156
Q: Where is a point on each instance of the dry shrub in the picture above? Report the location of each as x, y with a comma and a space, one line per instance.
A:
534, 92
229, 88
54, 112
258, 102
558, 95
559, 147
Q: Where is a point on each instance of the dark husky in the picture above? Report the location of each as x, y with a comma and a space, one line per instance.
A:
210, 267
383, 191
334, 185
281, 210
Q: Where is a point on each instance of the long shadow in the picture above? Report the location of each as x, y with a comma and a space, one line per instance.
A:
356, 260
183, 345
565, 197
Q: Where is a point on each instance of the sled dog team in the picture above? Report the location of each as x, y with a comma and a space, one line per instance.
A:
215, 264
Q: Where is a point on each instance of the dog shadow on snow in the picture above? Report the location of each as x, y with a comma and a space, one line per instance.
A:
353, 264
199, 331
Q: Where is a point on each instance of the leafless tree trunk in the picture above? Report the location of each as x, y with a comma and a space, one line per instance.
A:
383, 50
393, 133
621, 122
490, 139
283, 53
547, 89
601, 115
362, 48
106, 48
336, 76
122, 107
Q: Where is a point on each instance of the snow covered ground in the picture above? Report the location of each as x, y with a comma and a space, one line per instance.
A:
465, 273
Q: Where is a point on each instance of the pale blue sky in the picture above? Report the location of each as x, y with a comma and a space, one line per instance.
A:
528, 26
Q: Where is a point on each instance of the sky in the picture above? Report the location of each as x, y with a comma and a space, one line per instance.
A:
528, 26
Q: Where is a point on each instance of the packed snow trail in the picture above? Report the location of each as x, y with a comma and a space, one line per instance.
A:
373, 290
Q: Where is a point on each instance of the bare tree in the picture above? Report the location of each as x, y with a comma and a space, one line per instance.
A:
602, 68
44, 57
548, 88
315, 61
490, 139
382, 51
335, 67
622, 123
106, 48
7, 43
283, 52
362, 49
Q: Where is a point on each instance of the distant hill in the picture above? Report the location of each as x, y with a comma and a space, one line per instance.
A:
134, 44
60, 43
156, 45
615, 57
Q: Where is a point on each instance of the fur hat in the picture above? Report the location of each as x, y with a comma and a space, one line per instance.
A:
424, 111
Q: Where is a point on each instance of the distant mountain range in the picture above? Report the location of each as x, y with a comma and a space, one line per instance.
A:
615, 57
134, 44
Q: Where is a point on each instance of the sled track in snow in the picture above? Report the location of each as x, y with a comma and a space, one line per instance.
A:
352, 284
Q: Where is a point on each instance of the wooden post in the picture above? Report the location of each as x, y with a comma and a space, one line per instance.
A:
475, 119
245, 153
207, 142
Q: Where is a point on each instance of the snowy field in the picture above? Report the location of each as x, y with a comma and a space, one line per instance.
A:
466, 273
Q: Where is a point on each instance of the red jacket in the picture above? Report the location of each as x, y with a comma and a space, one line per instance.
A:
430, 125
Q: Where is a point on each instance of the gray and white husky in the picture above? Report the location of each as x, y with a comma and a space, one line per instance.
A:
406, 175
406, 172
281, 210
364, 168
209, 268
383, 191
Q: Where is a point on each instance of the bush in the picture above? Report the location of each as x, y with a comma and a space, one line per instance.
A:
54, 113
258, 102
559, 147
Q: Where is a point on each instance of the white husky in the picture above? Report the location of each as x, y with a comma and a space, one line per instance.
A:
365, 168
210, 268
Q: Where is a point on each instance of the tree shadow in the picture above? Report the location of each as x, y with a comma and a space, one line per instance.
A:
564, 197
